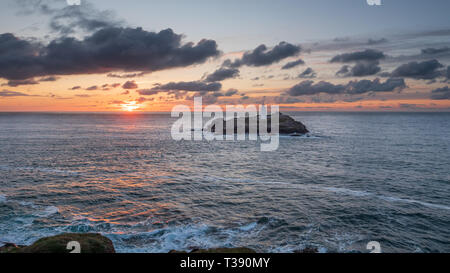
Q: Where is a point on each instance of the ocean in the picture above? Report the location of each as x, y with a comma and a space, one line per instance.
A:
356, 178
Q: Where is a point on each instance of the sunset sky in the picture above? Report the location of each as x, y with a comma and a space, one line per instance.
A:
138, 55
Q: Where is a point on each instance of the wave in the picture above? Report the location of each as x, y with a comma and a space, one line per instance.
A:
47, 212
184, 238
2, 198
305, 136
343, 191
39, 169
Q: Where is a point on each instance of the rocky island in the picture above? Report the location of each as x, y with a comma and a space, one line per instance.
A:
287, 125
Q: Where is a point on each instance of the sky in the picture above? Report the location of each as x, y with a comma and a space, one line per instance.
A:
311, 55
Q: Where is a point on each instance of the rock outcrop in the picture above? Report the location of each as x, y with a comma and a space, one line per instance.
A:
237, 250
89, 243
287, 125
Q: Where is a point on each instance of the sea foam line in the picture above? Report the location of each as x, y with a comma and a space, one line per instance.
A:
345, 191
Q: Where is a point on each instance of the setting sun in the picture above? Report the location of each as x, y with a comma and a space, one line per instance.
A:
130, 106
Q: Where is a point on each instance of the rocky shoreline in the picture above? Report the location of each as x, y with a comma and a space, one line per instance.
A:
91, 243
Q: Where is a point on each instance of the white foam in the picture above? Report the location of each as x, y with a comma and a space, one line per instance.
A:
48, 211
249, 227
47, 170
185, 237
2, 198
343, 191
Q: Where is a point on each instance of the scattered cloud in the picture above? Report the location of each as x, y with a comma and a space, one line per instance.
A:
377, 41
441, 93
127, 76
360, 69
309, 73
222, 74
435, 51
146, 92
353, 87
15, 83
7, 93
369, 55
67, 19
425, 70
262, 56
194, 86
231, 92
49, 79
92, 88
130, 85
310, 88
364, 86
293, 64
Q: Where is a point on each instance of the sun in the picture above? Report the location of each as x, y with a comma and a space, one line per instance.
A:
130, 106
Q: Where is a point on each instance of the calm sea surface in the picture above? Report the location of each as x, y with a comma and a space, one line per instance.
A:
359, 177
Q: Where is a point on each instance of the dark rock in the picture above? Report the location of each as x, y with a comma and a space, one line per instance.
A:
90, 243
236, 250
288, 126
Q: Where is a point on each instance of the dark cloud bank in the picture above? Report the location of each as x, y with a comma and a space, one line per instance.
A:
107, 50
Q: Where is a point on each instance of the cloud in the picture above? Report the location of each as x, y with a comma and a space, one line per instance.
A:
194, 86
231, 92
309, 73
15, 83
142, 99
107, 86
107, 50
130, 85
222, 74
49, 79
369, 55
7, 93
147, 92
293, 64
92, 88
126, 76
353, 87
376, 42
83, 96
309, 88
435, 51
341, 39
409, 106
262, 56
426, 70
360, 69
67, 19
286, 100
441, 93
364, 86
